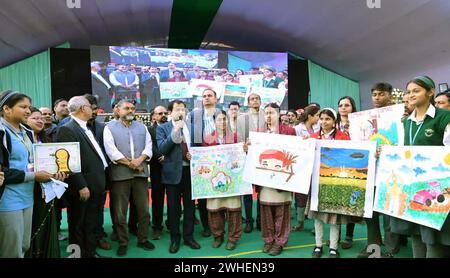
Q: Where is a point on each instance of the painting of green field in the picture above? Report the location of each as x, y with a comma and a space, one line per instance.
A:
343, 181
342, 195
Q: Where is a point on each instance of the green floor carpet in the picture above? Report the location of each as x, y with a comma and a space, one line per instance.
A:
300, 244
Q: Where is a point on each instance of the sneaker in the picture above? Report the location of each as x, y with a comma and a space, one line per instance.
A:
217, 242
122, 251
334, 254
230, 245
267, 247
146, 245
317, 252
275, 250
347, 244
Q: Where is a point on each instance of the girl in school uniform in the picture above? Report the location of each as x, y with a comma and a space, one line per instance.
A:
328, 131
228, 208
426, 126
275, 204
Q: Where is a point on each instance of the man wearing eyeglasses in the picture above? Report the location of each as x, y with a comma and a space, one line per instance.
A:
128, 144
158, 189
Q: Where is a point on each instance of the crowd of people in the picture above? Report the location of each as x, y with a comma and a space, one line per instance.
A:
120, 156
142, 83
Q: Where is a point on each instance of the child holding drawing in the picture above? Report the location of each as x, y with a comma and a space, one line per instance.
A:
426, 126
227, 207
328, 131
275, 204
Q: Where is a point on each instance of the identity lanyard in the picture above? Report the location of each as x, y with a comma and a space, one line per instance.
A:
25, 141
413, 139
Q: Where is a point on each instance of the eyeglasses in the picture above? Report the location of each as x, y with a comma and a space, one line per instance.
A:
162, 113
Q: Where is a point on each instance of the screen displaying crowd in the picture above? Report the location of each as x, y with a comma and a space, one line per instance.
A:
156, 76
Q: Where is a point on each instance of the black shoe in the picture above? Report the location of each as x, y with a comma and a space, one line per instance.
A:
317, 252
275, 250
248, 228
146, 245
122, 251
334, 254
174, 247
192, 243
206, 233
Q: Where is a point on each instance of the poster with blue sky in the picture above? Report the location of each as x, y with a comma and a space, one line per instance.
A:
343, 177
413, 183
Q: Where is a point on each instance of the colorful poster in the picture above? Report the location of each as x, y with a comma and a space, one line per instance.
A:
413, 183
268, 95
217, 171
382, 125
57, 157
343, 177
197, 86
280, 161
254, 80
234, 92
174, 90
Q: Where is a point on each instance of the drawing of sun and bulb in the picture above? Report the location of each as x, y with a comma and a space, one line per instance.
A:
342, 180
414, 184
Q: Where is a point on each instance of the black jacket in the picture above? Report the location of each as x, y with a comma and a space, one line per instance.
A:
92, 170
12, 176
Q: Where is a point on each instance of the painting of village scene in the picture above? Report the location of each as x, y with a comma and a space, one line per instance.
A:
413, 183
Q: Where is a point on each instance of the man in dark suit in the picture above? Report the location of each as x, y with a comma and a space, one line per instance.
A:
173, 140
97, 128
158, 189
100, 86
87, 187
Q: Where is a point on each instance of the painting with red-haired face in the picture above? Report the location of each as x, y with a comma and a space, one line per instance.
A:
280, 161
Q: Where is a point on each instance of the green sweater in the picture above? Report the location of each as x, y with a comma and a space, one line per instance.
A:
431, 131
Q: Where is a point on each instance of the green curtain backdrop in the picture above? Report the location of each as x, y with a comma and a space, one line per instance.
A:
328, 87
31, 76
